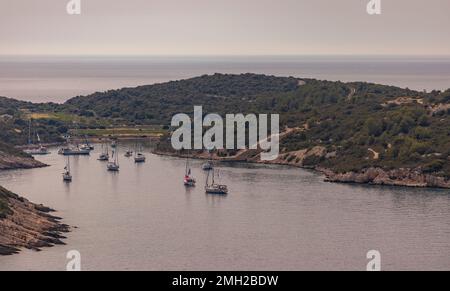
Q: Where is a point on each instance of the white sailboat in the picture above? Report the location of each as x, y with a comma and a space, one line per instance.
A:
87, 145
75, 150
113, 165
208, 166
128, 153
213, 187
104, 156
67, 176
139, 157
33, 150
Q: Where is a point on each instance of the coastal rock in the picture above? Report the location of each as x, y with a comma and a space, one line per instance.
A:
9, 162
24, 225
397, 177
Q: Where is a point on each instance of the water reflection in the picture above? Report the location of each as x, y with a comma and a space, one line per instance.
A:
143, 218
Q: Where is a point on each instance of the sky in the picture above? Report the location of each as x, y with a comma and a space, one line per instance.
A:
224, 27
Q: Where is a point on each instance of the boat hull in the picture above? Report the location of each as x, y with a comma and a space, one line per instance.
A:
74, 152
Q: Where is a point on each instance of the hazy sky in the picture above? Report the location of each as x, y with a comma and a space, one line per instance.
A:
224, 27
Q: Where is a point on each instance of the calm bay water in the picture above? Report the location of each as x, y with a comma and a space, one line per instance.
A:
275, 218
43, 79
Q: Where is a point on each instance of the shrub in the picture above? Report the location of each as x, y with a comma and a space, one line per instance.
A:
433, 166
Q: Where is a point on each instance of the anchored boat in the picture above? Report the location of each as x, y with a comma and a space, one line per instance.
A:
67, 176
208, 166
74, 151
32, 149
213, 187
104, 156
113, 165
139, 156
188, 180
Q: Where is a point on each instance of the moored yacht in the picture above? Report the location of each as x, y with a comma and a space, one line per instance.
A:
32, 149
104, 156
67, 176
208, 166
37, 151
213, 187
74, 151
188, 180
139, 157
113, 165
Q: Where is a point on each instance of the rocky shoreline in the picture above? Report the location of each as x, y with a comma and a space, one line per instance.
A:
397, 177
403, 177
11, 162
24, 224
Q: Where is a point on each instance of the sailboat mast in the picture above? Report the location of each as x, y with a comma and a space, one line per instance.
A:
207, 179
29, 132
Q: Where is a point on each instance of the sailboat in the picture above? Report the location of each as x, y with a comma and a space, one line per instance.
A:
208, 166
67, 176
104, 156
41, 150
188, 180
87, 145
74, 150
113, 165
214, 188
139, 157
128, 153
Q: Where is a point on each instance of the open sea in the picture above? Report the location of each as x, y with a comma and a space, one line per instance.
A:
56, 79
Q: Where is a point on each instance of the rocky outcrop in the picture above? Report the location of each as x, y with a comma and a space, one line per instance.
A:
14, 158
9, 162
396, 177
26, 225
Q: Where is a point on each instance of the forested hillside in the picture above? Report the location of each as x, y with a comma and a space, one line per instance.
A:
358, 125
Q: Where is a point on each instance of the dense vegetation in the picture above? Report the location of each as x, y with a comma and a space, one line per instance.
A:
156, 104
361, 124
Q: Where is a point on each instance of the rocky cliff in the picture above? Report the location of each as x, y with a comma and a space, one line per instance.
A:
27, 225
